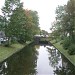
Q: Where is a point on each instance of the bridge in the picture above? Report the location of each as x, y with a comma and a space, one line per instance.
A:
42, 40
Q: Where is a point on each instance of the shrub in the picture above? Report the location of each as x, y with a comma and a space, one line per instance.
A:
61, 42
6, 45
66, 43
71, 49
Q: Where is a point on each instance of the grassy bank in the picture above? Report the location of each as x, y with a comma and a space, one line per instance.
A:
6, 52
71, 58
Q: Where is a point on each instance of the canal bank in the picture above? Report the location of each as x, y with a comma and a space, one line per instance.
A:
6, 52
71, 58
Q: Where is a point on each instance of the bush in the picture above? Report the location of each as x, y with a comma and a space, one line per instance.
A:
71, 49
61, 42
6, 45
66, 43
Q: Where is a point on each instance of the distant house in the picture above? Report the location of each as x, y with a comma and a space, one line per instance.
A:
3, 38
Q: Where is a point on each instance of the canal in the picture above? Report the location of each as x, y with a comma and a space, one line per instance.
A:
37, 60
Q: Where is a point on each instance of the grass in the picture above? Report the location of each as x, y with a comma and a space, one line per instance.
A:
71, 58
6, 52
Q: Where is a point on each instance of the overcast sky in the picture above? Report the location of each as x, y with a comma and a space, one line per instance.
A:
45, 8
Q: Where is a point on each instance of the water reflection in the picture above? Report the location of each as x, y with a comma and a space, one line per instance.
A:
66, 69
43, 67
37, 60
63, 68
3, 68
22, 63
54, 56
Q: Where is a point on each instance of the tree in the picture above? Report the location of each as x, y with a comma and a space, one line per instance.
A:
14, 19
9, 6
65, 24
35, 20
70, 10
7, 10
1, 23
32, 23
43, 32
21, 25
61, 19
17, 25
65, 15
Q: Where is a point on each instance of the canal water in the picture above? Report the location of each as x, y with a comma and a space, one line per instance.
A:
37, 60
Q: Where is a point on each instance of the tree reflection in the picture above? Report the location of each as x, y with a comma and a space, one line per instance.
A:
37, 47
54, 56
3, 68
23, 63
66, 69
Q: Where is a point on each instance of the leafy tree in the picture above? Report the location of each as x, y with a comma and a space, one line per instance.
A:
16, 27
35, 20
7, 10
43, 32
32, 23
61, 24
1, 23
56, 30
70, 10
9, 6
65, 23
19, 23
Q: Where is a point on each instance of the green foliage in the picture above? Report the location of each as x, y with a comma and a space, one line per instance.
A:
65, 19
7, 45
18, 22
1, 23
43, 32
71, 50
65, 23
9, 6
32, 21
7, 10
66, 43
